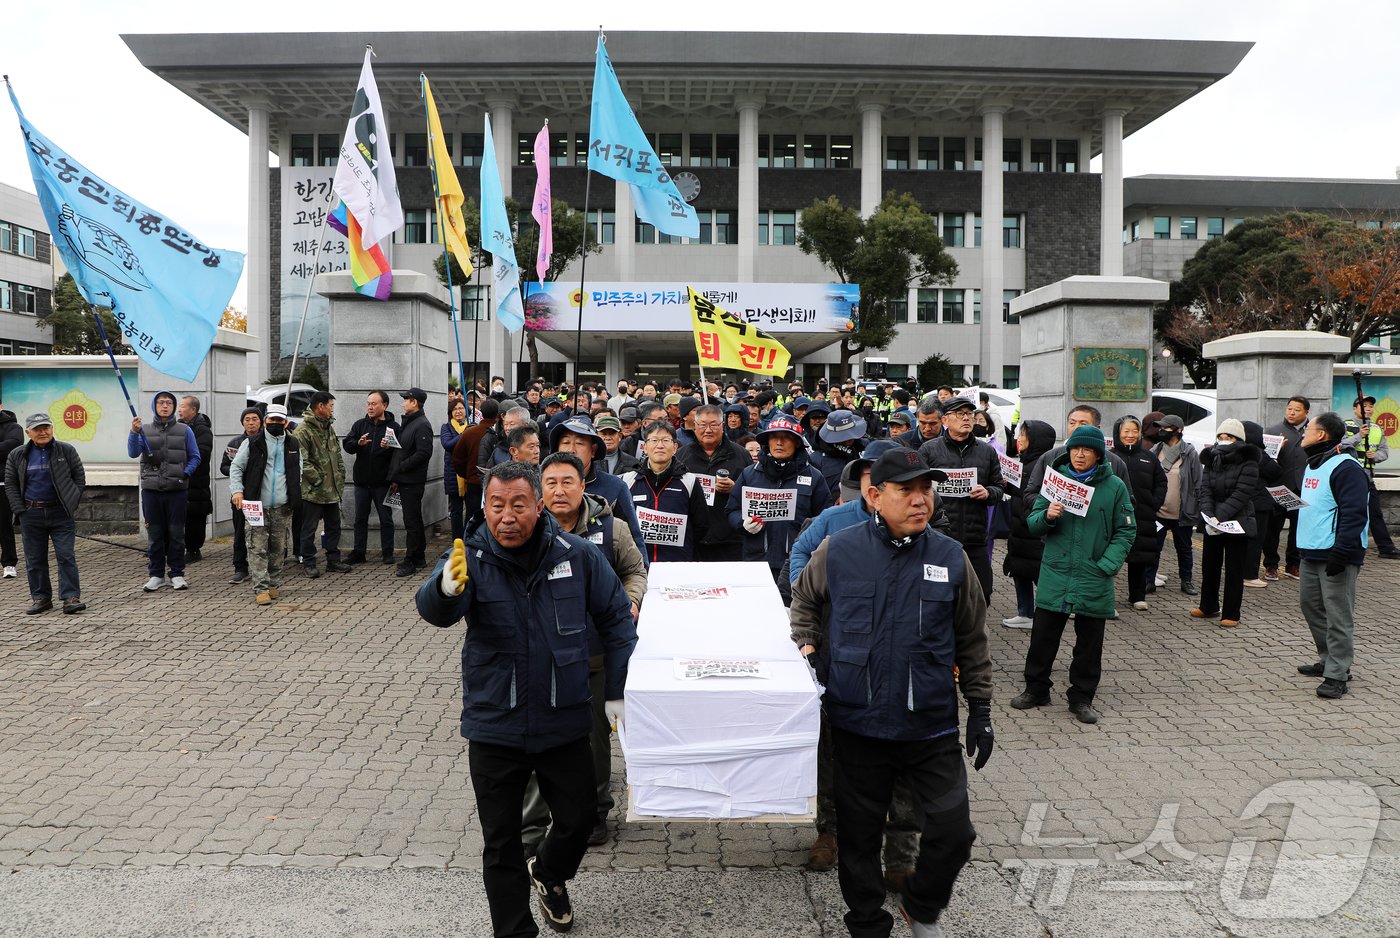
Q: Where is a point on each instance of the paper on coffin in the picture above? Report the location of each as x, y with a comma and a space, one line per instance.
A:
749, 622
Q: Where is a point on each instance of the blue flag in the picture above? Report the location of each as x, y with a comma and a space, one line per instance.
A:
496, 237
166, 289
618, 148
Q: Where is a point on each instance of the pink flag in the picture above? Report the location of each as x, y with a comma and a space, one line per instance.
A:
543, 207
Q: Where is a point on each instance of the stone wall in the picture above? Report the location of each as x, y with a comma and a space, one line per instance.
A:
109, 509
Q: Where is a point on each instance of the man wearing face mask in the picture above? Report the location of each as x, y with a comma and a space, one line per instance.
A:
267, 469
252, 426
498, 388
799, 492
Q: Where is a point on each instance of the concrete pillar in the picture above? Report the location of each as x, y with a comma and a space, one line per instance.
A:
1111, 196
614, 361
1087, 340
872, 156
625, 243
364, 355
748, 187
993, 330
258, 267
1257, 372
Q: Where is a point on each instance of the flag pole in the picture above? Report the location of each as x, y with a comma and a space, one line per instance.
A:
583, 261
476, 327
306, 305
111, 357
442, 236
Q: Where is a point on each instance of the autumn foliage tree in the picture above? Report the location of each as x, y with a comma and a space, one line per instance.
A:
1288, 271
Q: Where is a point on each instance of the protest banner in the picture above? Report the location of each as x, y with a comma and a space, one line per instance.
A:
693, 669
770, 504
253, 513
1272, 444
391, 438
1075, 496
661, 527
1010, 469
959, 483
1285, 498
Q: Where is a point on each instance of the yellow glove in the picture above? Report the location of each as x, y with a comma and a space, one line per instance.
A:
454, 572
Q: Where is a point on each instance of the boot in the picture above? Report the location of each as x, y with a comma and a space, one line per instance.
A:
1189, 588
822, 857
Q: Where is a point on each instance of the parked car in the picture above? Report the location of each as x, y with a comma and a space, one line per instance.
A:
1196, 408
277, 394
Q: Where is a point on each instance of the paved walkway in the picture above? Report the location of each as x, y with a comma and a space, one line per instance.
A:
159, 751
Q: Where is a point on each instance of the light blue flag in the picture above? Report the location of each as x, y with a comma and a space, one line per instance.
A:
166, 289
497, 238
618, 148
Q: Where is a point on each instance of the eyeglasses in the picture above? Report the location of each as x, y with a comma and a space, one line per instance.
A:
707, 425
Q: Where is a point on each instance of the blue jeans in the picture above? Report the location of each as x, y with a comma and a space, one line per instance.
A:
1025, 596
165, 531
39, 526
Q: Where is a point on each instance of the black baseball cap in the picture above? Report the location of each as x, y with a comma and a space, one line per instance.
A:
957, 403
417, 394
902, 464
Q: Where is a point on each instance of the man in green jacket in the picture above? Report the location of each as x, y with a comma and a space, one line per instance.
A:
322, 484
1086, 517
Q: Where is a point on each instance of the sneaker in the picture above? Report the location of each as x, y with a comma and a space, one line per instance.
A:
1271, 573
822, 857
1291, 573
312, 570
264, 599
335, 566
1331, 689
1198, 613
1025, 700
1159, 581
39, 605
599, 835
1084, 713
920, 929
1018, 622
355, 558
155, 583
1140, 606
1256, 584
11, 571
238, 577
179, 583
553, 900
1189, 589
73, 605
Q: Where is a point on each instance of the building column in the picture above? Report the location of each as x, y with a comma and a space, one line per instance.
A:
502, 349
625, 232
259, 263
993, 330
748, 187
614, 361
1111, 196
872, 157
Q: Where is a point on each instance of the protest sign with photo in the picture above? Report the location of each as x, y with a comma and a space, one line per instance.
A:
770, 504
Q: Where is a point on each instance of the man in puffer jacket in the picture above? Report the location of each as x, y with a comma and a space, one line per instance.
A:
958, 449
169, 455
782, 468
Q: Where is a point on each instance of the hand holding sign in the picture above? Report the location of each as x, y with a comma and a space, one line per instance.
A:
1062, 490
252, 512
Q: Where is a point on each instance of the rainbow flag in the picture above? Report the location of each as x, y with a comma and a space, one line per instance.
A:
368, 268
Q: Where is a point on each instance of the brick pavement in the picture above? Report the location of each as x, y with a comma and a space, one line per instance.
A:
198, 730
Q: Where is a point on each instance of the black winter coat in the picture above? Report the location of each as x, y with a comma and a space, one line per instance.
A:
201, 500
1229, 481
371, 466
409, 465
1148, 484
1270, 472
1024, 549
967, 517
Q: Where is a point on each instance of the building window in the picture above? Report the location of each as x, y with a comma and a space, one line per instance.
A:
580, 149
415, 227
5, 295
558, 150
7, 238
1011, 155
1137, 229
22, 298
16, 239
976, 307
473, 146
1161, 227
952, 306
814, 151
1011, 377
977, 231
896, 153
1011, 231
955, 153
899, 309
842, 151
707, 234
1188, 228
604, 232
1040, 156
415, 149
328, 149
303, 149
702, 151
1238, 221
726, 149
784, 227
473, 306
1215, 229
1066, 156
928, 153
6, 347
524, 149
1006, 297
953, 230
763, 147
926, 306
643, 233
762, 227
726, 227
668, 149
664, 238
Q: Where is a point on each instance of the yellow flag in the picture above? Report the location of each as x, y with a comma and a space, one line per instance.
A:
452, 228
725, 340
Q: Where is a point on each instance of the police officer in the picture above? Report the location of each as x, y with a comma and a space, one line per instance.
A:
529, 593
889, 608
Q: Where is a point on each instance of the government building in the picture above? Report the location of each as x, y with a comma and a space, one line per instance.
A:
993, 134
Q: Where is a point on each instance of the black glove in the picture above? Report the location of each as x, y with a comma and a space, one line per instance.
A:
1336, 563
979, 731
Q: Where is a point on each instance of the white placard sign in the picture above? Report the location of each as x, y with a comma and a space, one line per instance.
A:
391, 438
1224, 527
770, 504
393, 500
1010, 469
253, 513
1272, 444
959, 483
1285, 498
707, 485
661, 527
1075, 496
694, 669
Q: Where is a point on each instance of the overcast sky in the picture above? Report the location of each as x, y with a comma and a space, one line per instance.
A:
1315, 97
